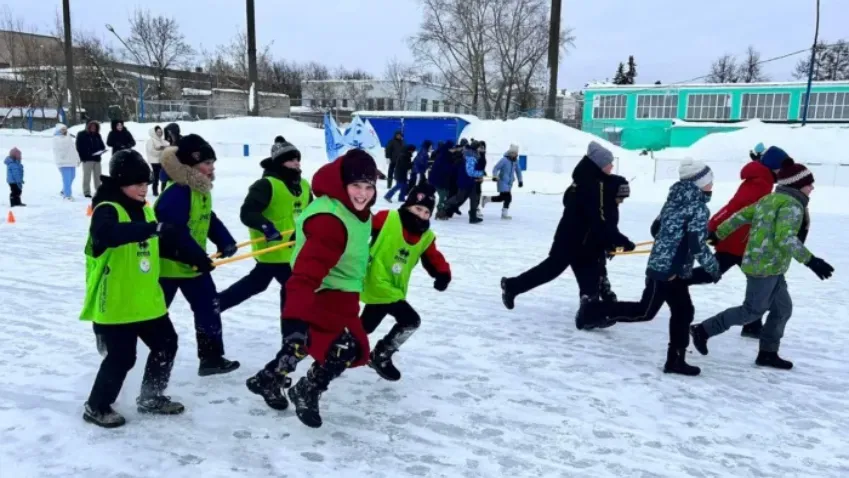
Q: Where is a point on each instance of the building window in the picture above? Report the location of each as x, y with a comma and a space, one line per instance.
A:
826, 106
436, 106
446, 106
333, 103
424, 105
657, 106
370, 104
390, 104
381, 106
708, 107
457, 108
768, 106
344, 103
609, 106
324, 103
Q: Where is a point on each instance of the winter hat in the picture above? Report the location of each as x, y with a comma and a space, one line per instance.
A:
358, 166
759, 148
422, 195
599, 155
284, 152
513, 150
127, 167
623, 189
15, 153
57, 130
279, 139
774, 158
795, 175
463, 143
696, 172
193, 150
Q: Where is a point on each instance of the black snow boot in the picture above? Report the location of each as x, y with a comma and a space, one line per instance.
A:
507, 297
700, 338
381, 362
474, 219
585, 319
305, 396
159, 405
676, 363
106, 418
217, 366
752, 330
270, 387
771, 359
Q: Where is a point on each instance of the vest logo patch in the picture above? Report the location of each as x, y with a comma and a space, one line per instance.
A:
144, 265
298, 207
401, 259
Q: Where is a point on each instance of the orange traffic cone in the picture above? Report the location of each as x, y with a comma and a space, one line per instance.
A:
88, 211
10, 219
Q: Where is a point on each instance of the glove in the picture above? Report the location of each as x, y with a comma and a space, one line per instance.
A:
521, 184
610, 255
163, 229
228, 251
205, 266
441, 283
821, 268
271, 233
495, 180
629, 246
712, 239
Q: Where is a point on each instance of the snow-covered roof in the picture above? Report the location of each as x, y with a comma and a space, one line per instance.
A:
675, 86
199, 92
414, 114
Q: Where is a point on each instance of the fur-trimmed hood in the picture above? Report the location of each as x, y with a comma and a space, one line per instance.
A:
183, 174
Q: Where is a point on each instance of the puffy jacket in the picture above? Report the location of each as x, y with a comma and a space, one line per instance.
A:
757, 183
14, 171
440, 172
64, 150
420, 164
119, 140
90, 142
506, 169
467, 170
154, 147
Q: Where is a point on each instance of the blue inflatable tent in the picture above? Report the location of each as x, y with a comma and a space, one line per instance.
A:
417, 126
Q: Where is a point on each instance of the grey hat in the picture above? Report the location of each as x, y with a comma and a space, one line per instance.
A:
282, 152
599, 155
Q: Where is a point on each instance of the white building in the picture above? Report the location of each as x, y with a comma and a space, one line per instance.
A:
380, 95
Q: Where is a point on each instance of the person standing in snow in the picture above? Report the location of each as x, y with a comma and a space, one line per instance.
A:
172, 135
66, 158
123, 297
779, 226
680, 240
186, 204
15, 176
506, 169
402, 167
468, 176
119, 138
399, 239
480, 166
329, 266
90, 149
393, 152
616, 191
154, 147
270, 210
584, 233
758, 179
440, 174
420, 165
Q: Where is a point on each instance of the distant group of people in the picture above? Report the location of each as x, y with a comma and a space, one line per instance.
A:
456, 171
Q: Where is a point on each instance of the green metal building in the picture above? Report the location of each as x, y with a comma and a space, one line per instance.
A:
654, 117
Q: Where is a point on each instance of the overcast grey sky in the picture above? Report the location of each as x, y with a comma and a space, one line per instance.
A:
672, 40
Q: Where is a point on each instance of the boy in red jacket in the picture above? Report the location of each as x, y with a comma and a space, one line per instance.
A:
399, 239
329, 265
758, 179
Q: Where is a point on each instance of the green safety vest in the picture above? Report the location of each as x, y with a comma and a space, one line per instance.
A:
282, 211
392, 262
348, 274
122, 284
200, 215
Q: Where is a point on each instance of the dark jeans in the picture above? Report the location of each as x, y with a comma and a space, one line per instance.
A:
453, 204
407, 321
120, 340
154, 179
202, 297
506, 198
401, 188
257, 281
390, 174
15, 195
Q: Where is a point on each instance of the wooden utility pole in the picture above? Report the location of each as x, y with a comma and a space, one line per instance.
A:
69, 64
253, 104
553, 58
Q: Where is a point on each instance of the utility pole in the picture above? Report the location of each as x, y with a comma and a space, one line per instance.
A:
253, 98
811, 68
69, 64
553, 58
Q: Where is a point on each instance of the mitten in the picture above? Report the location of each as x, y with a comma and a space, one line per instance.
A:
205, 266
441, 283
229, 250
271, 233
521, 184
712, 239
629, 246
821, 268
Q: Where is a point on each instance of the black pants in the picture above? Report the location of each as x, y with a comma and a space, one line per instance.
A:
120, 340
675, 293
15, 195
390, 174
726, 262
605, 290
407, 321
154, 180
202, 297
257, 281
455, 202
506, 198
587, 274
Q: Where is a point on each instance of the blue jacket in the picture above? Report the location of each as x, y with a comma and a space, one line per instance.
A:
467, 172
440, 172
506, 170
14, 171
682, 235
173, 208
420, 164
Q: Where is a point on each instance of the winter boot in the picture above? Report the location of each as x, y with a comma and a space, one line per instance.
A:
381, 362
159, 405
441, 215
584, 320
675, 363
752, 330
305, 396
700, 338
216, 366
475, 219
771, 359
269, 386
106, 418
504, 214
507, 298
484, 201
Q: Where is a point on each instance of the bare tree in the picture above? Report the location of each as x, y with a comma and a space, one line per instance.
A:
343, 73
357, 91
724, 70
159, 44
831, 63
750, 70
400, 76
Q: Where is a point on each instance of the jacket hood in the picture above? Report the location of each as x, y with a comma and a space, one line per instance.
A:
684, 193
57, 130
96, 126
115, 124
586, 170
184, 174
152, 133
327, 181
757, 171
9, 160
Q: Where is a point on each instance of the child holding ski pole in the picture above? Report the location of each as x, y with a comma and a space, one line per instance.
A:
399, 240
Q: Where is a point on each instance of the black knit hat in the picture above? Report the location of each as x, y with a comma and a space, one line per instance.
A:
193, 150
422, 195
127, 167
283, 152
358, 166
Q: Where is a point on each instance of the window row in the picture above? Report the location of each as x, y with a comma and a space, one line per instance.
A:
389, 104
826, 106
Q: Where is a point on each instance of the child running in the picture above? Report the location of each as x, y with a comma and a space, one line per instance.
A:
399, 239
506, 169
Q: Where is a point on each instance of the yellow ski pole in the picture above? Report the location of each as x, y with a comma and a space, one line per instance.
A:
248, 255
248, 243
623, 253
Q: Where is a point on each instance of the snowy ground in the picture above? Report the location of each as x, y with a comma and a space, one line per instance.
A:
485, 393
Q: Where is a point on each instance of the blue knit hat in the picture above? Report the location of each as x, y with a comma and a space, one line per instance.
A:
774, 158
759, 148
